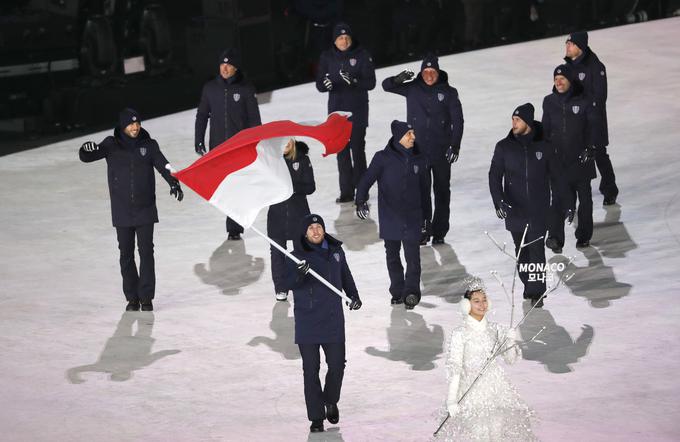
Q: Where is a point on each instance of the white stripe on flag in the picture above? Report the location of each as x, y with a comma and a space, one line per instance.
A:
264, 182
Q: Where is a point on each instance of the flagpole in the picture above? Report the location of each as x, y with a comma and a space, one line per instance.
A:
297, 261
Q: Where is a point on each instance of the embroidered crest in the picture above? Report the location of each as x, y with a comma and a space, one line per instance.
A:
336, 255
296, 166
429, 63
581, 75
517, 112
342, 31
237, 97
315, 219
415, 168
353, 61
602, 73
559, 71
142, 151
134, 118
440, 96
575, 109
539, 155
226, 60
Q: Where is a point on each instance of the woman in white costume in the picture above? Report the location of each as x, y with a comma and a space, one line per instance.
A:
492, 410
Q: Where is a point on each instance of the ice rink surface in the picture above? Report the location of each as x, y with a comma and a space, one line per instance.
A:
216, 360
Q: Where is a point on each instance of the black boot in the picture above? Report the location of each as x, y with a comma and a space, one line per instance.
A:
332, 413
147, 306
317, 426
553, 245
396, 300
133, 306
411, 300
344, 199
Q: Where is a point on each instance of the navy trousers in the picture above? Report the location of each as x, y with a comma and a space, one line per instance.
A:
402, 284
352, 161
315, 396
137, 286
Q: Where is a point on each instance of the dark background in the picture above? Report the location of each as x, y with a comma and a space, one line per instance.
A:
63, 62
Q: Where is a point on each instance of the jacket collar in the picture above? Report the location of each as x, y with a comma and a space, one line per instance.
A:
475, 324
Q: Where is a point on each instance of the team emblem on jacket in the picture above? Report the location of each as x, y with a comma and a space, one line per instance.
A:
440, 96
539, 155
296, 166
353, 61
142, 150
581, 75
336, 255
575, 109
415, 168
237, 97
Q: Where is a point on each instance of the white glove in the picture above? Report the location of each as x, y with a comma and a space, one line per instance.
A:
328, 84
90, 146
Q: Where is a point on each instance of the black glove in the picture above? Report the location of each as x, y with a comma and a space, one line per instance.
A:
355, 304
200, 149
403, 76
176, 191
587, 154
569, 216
363, 210
90, 146
303, 268
502, 209
327, 83
452, 154
346, 77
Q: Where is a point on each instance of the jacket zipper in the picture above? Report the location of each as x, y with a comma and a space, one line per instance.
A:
526, 175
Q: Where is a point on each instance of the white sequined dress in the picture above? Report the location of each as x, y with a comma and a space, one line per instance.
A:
493, 409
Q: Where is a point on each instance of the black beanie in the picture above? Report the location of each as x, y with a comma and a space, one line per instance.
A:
565, 71
128, 116
525, 112
310, 219
430, 61
341, 29
230, 56
399, 128
579, 38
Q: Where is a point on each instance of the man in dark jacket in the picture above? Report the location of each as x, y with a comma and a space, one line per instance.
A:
283, 219
131, 156
522, 168
229, 102
435, 112
571, 124
401, 172
319, 319
592, 75
346, 72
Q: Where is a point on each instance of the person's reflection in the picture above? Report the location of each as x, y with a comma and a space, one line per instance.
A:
443, 277
230, 268
283, 327
355, 233
124, 352
411, 340
331, 434
559, 350
611, 236
596, 282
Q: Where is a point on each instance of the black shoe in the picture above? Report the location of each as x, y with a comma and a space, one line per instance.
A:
553, 245
411, 300
437, 240
332, 413
582, 244
424, 240
609, 201
133, 306
234, 237
317, 426
344, 199
538, 304
395, 301
147, 307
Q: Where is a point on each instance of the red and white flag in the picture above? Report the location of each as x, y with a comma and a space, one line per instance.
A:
247, 172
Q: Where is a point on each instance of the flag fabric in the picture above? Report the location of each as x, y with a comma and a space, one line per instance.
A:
247, 172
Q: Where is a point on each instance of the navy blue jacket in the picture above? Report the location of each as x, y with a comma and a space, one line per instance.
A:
231, 107
402, 189
434, 112
571, 123
132, 185
283, 219
343, 97
592, 75
319, 318
520, 174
